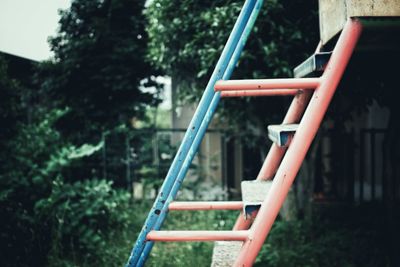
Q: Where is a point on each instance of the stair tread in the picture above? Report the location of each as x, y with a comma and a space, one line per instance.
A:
284, 127
253, 194
281, 134
312, 66
255, 191
225, 253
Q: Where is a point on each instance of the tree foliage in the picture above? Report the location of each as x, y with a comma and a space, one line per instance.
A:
92, 84
99, 66
187, 37
9, 109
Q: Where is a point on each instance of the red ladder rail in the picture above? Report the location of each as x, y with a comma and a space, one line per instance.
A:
301, 142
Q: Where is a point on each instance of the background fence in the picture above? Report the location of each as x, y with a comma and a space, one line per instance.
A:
139, 160
357, 166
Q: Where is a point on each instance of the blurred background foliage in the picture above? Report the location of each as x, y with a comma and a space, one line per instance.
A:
98, 68
187, 37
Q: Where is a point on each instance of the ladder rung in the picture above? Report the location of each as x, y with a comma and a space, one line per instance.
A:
282, 134
270, 84
277, 92
198, 235
206, 205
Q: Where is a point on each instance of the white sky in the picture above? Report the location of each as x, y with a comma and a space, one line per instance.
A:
25, 26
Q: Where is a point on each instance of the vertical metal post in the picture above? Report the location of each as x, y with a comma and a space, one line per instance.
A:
362, 158
300, 144
396, 179
384, 173
373, 180
128, 164
223, 163
350, 176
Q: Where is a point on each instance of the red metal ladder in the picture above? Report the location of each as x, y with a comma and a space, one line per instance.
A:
312, 97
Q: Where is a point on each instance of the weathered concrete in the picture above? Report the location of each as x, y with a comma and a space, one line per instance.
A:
225, 253
334, 13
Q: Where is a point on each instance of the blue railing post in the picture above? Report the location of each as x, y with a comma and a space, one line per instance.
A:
203, 128
191, 132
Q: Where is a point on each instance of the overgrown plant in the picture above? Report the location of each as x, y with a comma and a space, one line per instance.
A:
85, 217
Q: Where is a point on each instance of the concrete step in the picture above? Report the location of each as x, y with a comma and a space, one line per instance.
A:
225, 253
312, 66
282, 134
253, 194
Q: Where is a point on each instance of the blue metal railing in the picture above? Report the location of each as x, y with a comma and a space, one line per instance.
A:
196, 130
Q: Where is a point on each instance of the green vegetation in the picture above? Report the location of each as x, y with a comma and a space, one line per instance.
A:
98, 68
55, 208
58, 210
290, 243
187, 37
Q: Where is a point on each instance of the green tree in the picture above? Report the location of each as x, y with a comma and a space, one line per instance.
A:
24, 152
187, 37
9, 109
99, 66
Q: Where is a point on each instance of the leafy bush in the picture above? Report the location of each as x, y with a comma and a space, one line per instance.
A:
300, 243
31, 158
84, 216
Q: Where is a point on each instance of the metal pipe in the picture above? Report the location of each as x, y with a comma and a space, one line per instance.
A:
206, 205
267, 84
168, 236
277, 92
196, 129
301, 142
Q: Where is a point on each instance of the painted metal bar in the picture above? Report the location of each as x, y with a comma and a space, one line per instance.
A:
301, 142
206, 205
277, 92
203, 127
267, 84
362, 168
372, 147
168, 236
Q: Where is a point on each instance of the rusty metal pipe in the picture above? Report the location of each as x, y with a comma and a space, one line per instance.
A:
301, 142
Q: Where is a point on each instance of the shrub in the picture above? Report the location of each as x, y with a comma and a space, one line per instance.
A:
301, 243
84, 217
